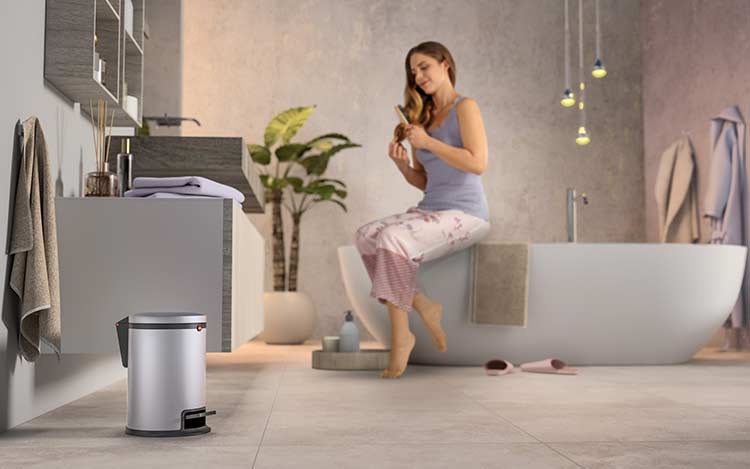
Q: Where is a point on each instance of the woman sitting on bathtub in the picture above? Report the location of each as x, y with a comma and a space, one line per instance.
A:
449, 152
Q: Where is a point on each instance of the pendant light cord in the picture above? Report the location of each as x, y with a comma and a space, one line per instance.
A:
580, 64
598, 32
567, 47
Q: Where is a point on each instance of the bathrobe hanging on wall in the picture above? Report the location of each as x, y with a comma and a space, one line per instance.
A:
676, 194
726, 204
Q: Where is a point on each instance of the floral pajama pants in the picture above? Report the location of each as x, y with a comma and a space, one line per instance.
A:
392, 248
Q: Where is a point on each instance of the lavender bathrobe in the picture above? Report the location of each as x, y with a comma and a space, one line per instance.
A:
727, 205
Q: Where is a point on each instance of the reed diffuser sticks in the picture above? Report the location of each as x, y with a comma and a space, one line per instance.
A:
101, 182
102, 133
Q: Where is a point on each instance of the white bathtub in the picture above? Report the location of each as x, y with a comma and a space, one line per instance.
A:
589, 304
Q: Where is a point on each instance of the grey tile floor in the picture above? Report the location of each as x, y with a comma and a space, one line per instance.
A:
274, 411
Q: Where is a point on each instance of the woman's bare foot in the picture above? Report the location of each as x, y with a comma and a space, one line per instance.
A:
431, 313
399, 357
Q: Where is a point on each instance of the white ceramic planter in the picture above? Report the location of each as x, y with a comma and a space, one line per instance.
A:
289, 317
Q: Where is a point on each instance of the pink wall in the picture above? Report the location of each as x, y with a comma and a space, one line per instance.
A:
696, 61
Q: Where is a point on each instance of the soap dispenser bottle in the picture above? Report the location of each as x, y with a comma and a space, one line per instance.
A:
349, 335
124, 168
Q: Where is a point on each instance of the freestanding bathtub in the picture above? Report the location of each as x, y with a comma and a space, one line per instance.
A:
589, 304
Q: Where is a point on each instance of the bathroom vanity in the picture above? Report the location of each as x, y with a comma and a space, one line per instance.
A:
122, 256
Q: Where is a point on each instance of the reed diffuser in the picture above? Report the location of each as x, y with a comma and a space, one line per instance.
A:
102, 182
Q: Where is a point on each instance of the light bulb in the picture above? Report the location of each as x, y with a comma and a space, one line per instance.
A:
583, 137
599, 71
568, 98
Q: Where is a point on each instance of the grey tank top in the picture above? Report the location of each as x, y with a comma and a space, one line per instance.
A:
447, 187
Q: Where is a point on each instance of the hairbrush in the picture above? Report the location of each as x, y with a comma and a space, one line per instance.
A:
401, 112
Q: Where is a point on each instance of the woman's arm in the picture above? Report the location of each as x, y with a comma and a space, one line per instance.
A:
472, 157
416, 176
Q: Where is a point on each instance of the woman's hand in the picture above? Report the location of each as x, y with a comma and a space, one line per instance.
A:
417, 136
398, 154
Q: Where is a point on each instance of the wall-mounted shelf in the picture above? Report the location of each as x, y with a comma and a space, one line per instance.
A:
77, 34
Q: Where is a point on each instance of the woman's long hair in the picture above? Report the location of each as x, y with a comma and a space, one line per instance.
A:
418, 104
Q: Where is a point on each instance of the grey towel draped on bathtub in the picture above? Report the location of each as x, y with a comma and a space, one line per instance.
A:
500, 284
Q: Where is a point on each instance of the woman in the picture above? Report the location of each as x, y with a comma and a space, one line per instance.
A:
449, 152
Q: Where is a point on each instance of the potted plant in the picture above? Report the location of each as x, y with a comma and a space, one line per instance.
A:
292, 175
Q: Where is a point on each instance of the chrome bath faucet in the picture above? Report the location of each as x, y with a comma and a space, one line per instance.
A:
572, 213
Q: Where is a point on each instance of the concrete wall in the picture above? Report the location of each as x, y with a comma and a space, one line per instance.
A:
244, 61
162, 63
696, 62
31, 389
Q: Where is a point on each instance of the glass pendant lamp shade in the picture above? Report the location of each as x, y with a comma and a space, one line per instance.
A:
583, 136
599, 71
568, 98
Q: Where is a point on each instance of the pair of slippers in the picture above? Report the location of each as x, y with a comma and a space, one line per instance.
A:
551, 365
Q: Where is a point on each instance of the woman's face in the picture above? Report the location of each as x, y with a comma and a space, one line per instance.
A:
428, 73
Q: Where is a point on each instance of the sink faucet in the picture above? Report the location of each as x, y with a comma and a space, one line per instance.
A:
572, 213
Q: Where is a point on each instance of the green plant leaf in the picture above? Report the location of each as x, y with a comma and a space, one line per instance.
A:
341, 193
337, 202
315, 164
324, 191
328, 137
286, 124
324, 143
259, 154
271, 182
335, 181
338, 148
290, 151
296, 183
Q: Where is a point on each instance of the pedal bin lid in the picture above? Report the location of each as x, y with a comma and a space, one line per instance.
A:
167, 318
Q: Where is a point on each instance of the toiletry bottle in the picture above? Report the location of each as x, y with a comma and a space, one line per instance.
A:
124, 168
349, 335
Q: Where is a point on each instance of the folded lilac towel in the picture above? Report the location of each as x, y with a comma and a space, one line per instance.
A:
184, 185
170, 195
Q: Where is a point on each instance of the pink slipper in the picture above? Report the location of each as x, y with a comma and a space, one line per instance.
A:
497, 367
550, 365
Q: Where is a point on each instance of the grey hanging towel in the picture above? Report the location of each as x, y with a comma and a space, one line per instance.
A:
34, 272
501, 283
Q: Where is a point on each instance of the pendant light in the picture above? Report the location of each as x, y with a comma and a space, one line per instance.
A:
598, 71
583, 136
568, 98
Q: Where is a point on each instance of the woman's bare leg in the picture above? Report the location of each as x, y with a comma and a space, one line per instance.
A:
431, 313
402, 342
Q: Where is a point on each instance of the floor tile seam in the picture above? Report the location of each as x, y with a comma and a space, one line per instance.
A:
528, 434
410, 444
673, 406
268, 418
620, 441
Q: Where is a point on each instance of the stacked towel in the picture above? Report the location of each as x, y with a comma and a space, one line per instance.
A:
501, 281
189, 186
